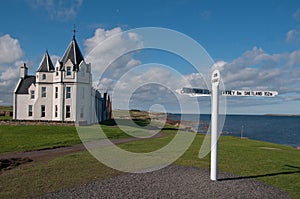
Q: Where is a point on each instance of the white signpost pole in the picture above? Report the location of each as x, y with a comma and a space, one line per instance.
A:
197, 92
214, 125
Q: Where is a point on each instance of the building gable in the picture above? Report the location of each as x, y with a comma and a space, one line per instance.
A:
24, 84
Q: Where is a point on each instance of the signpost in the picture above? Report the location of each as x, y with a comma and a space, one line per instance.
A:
214, 93
215, 82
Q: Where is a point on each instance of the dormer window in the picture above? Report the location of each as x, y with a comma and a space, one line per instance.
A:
44, 76
69, 71
32, 94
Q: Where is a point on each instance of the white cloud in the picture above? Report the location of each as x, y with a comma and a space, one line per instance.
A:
153, 84
8, 74
10, 62
10, 49
8, 80
293, 36
256, 69
106, 54
296, 14
58, 9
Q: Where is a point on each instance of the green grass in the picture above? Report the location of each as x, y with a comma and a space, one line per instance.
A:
271, 163
274, 164
6, 108
5, 117
38, 178
32, 137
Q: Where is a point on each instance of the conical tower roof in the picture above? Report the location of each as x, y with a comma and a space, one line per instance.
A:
74, 54
46, 64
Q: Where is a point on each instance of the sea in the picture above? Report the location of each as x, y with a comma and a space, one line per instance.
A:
283, 130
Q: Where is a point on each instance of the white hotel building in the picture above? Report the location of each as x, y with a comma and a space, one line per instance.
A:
63, 92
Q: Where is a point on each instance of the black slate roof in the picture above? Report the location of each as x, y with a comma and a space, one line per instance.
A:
46, 64
74, 54
25, 84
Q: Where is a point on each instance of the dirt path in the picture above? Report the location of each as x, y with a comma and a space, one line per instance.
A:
11, 160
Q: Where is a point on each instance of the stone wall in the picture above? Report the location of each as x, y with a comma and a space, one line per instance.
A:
36, 122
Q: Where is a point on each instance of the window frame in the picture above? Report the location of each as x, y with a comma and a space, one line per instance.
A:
56, 111
81, 112
30, 112
32, 94
68, 71
56, 92
43, 111
44, 76
68, 92
44, 92
68, 111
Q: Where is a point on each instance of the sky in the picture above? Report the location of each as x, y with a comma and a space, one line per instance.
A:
254, 44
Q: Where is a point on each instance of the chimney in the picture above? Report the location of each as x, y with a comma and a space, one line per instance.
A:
23, 71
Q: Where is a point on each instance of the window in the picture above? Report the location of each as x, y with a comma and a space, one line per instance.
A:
68, 92
68, 111
56, 110
82, 92
44, 76
29, 110
56, 92
56, 71
43, 111
68, 70
43, 91
31, 94
81, 112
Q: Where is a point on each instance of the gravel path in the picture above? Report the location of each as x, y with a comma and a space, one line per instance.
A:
172, 182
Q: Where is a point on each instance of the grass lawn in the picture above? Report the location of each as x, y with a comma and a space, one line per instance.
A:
6, 108
32, 137
22, 138
271, 163
5, 117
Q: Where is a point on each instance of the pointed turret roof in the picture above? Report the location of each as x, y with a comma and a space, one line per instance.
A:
73, 53
46, 64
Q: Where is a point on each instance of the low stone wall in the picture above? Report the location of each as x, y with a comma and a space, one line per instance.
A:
36, 122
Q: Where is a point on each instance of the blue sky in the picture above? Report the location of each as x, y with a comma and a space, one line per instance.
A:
261, 37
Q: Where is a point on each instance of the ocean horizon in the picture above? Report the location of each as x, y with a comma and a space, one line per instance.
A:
275, 128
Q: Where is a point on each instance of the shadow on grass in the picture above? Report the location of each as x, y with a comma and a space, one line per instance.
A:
139, 122
265, 175
126, 122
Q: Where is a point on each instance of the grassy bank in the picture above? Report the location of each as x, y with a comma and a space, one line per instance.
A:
33, 137
271, 163
22, 138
